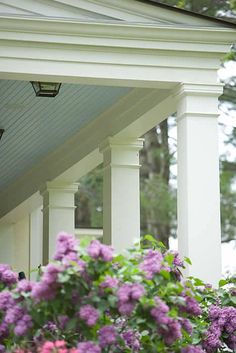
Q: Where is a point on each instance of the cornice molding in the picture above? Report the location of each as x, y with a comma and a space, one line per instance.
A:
113, 30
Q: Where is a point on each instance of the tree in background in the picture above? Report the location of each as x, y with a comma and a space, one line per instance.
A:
158, 191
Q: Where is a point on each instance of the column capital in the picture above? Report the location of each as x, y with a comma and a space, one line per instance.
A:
59, 186
185, 89
118, 143
197, 100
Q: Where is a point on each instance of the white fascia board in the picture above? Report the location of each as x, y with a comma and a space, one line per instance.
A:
80, 153
107, 53
57, 28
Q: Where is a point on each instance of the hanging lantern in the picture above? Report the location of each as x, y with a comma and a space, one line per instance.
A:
46, 89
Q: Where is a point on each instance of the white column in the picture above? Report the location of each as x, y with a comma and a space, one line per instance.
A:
22, 245
198, 180
121, 195
58, 214
7, 244
36, 240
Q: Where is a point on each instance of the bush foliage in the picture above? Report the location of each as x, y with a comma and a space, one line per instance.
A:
89, 300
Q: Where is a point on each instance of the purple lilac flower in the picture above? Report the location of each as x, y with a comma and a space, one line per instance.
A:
23, 325
2, 348
129, 292
126, 308
131, 339
24, 286
96, 250
177, 261
46, 288
109, 282
51, 274
152, 263
191, 306
89, 314
107, 336
50, 326
212, 341
7, 276
3, 330
223, 324
43, 291
186, 325
192, 349
66, 247
231, 342
6, 300
171, 332
128, 295
159, 312
88, 347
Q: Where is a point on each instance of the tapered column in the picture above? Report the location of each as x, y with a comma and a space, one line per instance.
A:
58, 214
198, 180
121, 195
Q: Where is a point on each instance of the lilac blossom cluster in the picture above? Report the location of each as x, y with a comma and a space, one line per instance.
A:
7, 276
152, 263
223, 324
109, 282
66, 249
132, 340
89, 314
192, 349
168, 327
128, 295
46, 288
191, 306
96, 250
13, 315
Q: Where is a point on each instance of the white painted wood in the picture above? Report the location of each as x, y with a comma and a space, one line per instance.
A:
36, 241
58, 214
89, 233
198, 180
121, 200
22, 245
7, 244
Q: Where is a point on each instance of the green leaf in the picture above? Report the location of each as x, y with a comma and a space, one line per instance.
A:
198, 282
223, 282
169, 258
150, 238
165, 274
233, 299
187, 259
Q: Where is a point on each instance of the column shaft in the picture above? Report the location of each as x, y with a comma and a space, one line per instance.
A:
36, 240
121, 196
198, 181
58, 214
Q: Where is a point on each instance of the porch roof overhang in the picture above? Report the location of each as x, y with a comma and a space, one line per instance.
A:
152, 59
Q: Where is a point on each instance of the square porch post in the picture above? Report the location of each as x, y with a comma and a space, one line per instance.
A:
121, 195
58, 214
199, 234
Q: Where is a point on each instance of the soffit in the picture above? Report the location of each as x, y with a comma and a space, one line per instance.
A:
35, 126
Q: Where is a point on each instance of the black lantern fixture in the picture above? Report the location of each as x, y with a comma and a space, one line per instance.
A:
1, 133
46, 89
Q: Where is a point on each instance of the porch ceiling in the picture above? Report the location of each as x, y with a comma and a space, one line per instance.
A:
35, 126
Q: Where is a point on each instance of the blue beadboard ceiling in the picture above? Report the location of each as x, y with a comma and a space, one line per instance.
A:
35, 126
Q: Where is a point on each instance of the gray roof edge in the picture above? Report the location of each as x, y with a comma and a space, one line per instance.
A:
189, 13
